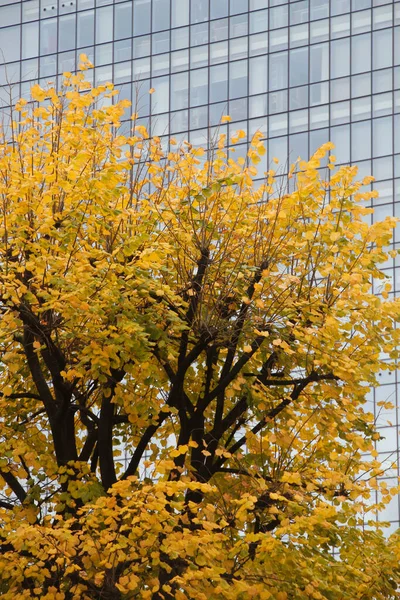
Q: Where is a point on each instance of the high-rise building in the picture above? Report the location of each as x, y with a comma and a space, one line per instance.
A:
303, 72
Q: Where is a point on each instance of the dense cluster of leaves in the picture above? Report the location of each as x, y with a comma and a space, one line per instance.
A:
156, 303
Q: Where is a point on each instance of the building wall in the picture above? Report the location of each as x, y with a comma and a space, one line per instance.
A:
304, 72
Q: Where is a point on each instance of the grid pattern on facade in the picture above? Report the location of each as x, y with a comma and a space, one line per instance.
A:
303, 72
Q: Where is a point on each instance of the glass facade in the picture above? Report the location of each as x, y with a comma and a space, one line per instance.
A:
303, 72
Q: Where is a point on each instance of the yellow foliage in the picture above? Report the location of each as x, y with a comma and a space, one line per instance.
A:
185, 359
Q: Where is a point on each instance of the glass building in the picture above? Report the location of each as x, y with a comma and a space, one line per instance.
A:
303, 72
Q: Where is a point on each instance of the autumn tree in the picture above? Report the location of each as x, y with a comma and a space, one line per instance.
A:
184, 362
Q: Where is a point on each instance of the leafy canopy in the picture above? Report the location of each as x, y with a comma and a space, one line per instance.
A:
156, 303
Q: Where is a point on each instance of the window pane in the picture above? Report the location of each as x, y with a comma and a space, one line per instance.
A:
66, 33
382, 136
340, 58
160, 15
361, 21
219, 83
258, 75
48, 36
360, 140
278, 75
198, 87
85, 28
104, 24
179, 91
141, 17
160, 98
278, 17
30, 40
10, 15
319, 9
199, 11
123, 21
382, 47
218, 8
340, 136
298, 67
30, 10
299, 12
238, 79
319, 62
361, 53
179, 13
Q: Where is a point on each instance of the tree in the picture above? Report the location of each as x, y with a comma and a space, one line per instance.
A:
221, 334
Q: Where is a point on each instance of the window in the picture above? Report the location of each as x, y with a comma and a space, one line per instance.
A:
340, 58
258, 74
238, 79
361, 53
382, 135
199, 10
179, 13
30, 40
298, 67
360, 140
218, 8
85, 29
278, 17
219, 83
141, 17
66, 33
198, 87
319, 9
160, 15
278, 70
319, 62
179, 91
160, 98
299, 12
123, 21
382, 49
104, 24
48, 36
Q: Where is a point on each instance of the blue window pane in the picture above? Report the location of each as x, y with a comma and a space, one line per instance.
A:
123, 21
161, 15
199, 11
278, 148
360, 140
278, 17
179, 91
85, 28
104, 24
48, 36
340, 58
259, 21
238, 79
319, 62
218, 8
258, 75
298, 67
382, 48
179, 13
340, 136
382, 136
299, 12
160, 97
141, 17
66, 33
198, 87
278, 71
219, 83
361, 53
319, 9
30, 40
